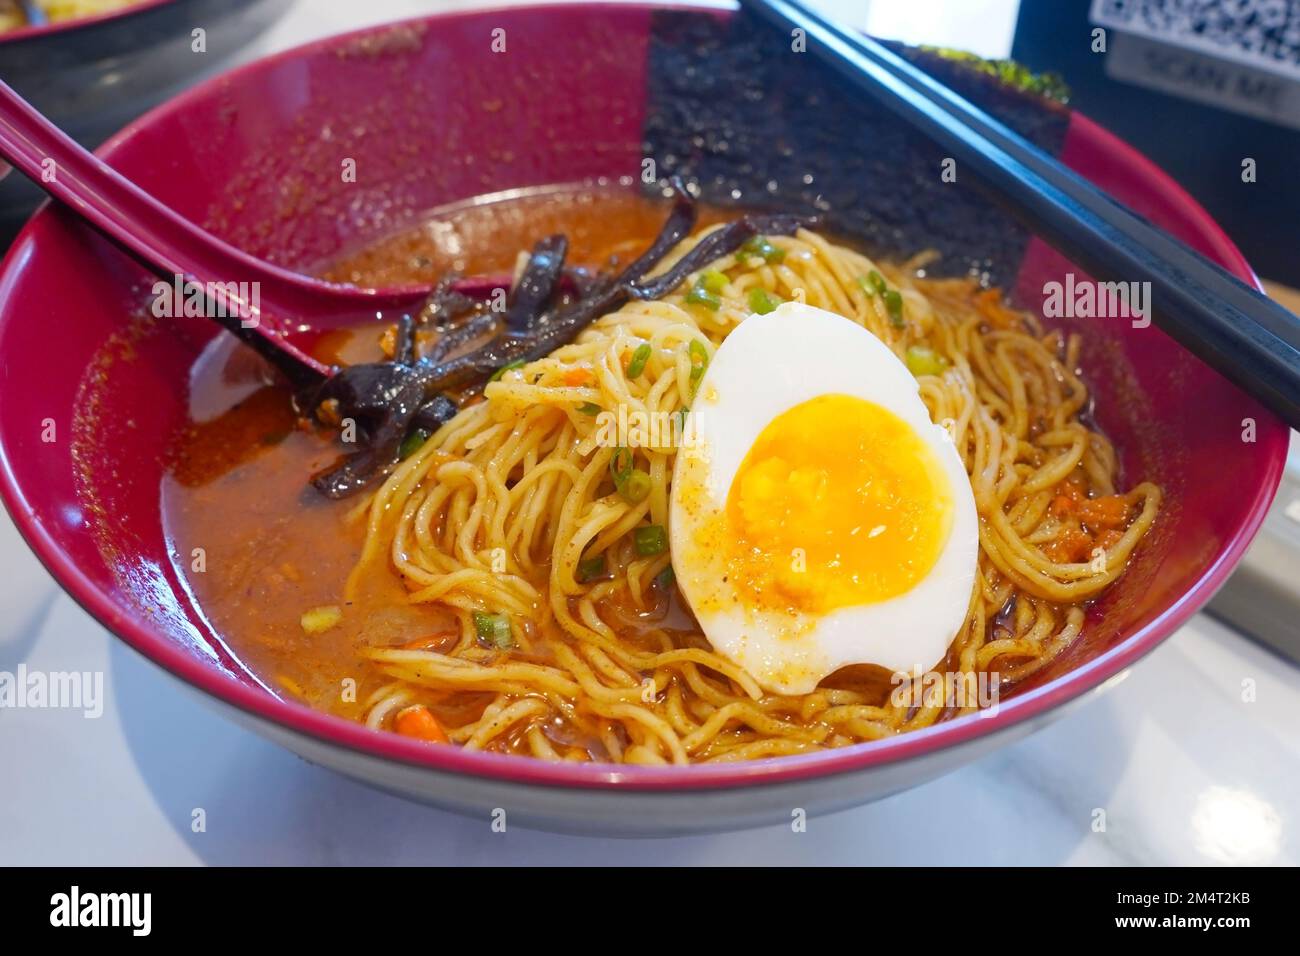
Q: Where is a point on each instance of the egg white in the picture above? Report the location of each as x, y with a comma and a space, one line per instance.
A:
767, 365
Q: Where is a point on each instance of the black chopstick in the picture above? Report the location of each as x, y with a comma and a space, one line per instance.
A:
1232, 327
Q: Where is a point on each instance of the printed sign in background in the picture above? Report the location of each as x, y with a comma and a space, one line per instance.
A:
1259, 34
1199, 86
1243, 59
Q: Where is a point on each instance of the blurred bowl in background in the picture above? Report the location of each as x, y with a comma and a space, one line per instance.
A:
94, 74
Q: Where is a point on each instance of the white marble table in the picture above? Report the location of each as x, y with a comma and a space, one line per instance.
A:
1184, 768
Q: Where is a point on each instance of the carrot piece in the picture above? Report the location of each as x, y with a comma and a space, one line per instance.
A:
1108, 539
418, 722
1110, 511
1071, 547
578, 376
429, 641
1062, 506
989, 304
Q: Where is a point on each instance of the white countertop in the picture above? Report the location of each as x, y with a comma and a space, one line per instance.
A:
1184, 766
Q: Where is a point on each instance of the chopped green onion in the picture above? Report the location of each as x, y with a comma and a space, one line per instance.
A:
761, 301
712, 281
590, 408
702, 296
894, 305
620, 465
321, 619
761, 247
650, 540
893, 299
925, 361
681, 417
632, 483
412, 443
517, 363
494, 629
639, 359
666, 578
591, 568
699, 359
636, 488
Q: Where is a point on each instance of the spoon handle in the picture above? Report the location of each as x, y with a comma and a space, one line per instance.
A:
170, 246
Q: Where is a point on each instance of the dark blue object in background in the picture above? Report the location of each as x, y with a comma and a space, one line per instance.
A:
1200, 91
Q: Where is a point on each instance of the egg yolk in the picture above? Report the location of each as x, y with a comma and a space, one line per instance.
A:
838, 503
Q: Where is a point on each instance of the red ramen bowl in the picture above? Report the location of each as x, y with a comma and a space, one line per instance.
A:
431, 112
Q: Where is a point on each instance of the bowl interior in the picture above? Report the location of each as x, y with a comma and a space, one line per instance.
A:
433, 111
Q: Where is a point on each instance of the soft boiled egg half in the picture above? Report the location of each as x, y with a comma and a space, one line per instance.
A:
818, 517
